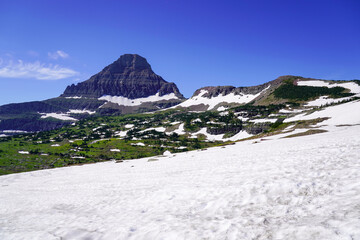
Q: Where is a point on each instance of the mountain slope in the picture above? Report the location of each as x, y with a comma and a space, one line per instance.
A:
284, 89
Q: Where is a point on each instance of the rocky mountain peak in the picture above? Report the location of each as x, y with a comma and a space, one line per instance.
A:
129, 62
129, 76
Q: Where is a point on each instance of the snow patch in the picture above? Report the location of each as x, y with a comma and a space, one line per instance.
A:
14, 131
79, 111
180, 130
263, 120
61, 116
115, 150
158, 129
221, 108
24, 152
138, 144
75, 97
123, 101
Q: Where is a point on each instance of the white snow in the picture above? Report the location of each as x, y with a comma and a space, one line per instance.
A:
23, 152
290, 110
138, 144
75, 97
240, 135
123, 101
55, 145
14, 131
167, 153
224, 113
129, 125
212, 102
263, 120
196, 120
180, 130
221, 108
324, 100
220, 137
298, 188
121, 133
158, 129
3, 135
115, 150
347, 113
244, 119
79, 111
353, 87
78, 157
61, 116
209, 137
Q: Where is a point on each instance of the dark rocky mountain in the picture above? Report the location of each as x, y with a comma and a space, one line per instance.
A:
130, 76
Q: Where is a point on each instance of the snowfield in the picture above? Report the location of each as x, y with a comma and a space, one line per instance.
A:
275, 188
295, 188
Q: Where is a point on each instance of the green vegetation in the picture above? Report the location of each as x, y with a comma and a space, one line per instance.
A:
308, 132
304, 93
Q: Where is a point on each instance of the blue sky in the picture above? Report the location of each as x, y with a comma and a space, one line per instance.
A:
47, 45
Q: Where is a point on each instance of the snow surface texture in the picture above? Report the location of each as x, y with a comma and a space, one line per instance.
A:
212, 102
123, 101
298, 188
347, 113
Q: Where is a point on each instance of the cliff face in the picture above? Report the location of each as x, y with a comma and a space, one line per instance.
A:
130, 76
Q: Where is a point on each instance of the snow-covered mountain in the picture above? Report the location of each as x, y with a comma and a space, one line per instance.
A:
222, 97
129, 85
127, 82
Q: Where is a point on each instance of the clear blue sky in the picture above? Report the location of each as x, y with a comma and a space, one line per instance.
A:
47, 45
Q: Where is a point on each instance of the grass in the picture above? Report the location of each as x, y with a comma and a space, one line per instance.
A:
308, 132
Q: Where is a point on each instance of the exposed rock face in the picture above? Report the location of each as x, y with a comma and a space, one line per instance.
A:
225, 90
130, 76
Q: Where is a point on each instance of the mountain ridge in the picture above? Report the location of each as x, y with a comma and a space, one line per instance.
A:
129, 85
